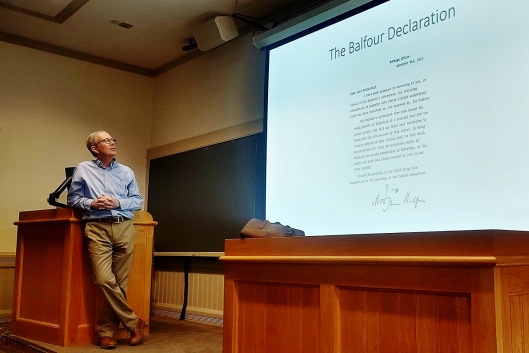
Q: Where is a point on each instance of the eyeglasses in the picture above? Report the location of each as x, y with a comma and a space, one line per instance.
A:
107, 141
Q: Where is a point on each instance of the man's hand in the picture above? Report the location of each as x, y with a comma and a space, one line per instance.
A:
105, 202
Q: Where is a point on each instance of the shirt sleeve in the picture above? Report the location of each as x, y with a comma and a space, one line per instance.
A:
133, 201
76, 193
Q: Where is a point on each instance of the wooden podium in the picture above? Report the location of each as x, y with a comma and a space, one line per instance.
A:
417, 292
55, 299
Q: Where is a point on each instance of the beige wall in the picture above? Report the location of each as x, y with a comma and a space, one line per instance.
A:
222, 88
49, 104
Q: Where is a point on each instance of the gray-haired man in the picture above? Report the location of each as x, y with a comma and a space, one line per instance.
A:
107, 193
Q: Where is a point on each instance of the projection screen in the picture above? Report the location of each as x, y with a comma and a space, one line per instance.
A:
410, 116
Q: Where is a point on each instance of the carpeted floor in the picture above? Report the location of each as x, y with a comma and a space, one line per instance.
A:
166, 335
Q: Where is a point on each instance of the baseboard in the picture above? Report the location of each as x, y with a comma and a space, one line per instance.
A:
5, 316
175, 314
189, 310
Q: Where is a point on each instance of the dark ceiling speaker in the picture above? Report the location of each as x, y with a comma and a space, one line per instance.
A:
215, 32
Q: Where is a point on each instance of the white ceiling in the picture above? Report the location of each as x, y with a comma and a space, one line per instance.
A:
160, 27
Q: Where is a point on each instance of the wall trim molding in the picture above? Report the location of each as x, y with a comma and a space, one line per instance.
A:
289, 11
7, 267
208, 139
62, 16
73, 54
5, 316
7, 259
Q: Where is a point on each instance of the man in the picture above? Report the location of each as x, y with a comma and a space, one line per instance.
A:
107, 193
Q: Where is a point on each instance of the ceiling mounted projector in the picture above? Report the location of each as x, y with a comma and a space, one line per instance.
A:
215, 32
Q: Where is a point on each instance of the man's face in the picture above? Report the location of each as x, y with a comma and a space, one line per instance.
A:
104, 147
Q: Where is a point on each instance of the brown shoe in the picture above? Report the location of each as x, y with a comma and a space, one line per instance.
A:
137, 334
107, 342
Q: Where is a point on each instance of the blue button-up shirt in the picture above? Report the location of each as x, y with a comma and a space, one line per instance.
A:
91, 179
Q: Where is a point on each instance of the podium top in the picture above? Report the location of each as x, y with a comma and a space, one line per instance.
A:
50, 214
72, 215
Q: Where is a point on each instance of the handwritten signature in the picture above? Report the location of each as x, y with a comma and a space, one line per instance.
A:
387, 202
414, 201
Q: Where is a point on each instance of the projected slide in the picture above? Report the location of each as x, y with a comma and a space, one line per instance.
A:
411, 116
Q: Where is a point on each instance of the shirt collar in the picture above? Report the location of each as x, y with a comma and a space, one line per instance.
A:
100, 164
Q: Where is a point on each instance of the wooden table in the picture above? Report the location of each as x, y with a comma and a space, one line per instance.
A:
417, 292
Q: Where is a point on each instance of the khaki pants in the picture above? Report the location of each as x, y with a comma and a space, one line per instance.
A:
110, 246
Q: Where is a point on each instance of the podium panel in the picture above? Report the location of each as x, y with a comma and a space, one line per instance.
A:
416, 292
55, 299
284, 317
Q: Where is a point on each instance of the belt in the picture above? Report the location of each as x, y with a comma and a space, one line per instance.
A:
118, 219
